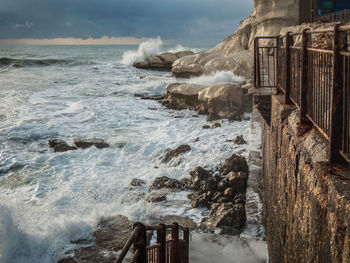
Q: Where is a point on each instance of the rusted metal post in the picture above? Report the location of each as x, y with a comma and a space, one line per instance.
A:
175, 245
335, 138
187, 244
140, 243
304, 80
279, 43
289, 43
255, 64
161, 239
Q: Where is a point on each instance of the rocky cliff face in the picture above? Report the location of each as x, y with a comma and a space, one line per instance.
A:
235, 52
306, 201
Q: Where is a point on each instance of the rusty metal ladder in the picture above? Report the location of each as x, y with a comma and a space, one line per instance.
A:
173, 250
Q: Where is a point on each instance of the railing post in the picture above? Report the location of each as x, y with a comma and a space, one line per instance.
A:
289, 43
336, 135
140, 243
175, 245
187, 244
279, 43
161, 239
255, 64
304, 80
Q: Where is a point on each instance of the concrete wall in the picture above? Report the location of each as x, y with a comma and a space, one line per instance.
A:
306, 201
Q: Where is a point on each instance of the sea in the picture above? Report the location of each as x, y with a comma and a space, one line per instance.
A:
49, 199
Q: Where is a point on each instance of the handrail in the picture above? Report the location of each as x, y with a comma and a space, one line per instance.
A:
159, 252
316, 80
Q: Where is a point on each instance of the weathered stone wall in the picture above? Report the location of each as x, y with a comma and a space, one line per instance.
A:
307, 202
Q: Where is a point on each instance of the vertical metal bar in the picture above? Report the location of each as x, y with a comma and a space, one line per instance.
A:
258, 62
175, 246
187, 244
336, 102
255, 64
289, 40
140, 243
161, 239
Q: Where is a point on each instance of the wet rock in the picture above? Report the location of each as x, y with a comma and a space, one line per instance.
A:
235, 116
206, 126
98, 143
199, 199
196, 140
141, 64
170, 154
234, 163
120, 145
137, 182
168, 59
216, 125
182, 221
198, 177
228, 192
225, 215
240, 198
212, 117
166, 182
59, 145
111, 235
156, 197
150, 97
238, 181
239, 140
195, 116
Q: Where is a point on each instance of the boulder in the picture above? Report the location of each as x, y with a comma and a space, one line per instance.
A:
182, 221
225, 215
111, 235
199, 199
168, 59
239, 140
234, 163
59, 145
181, 54
156, 197
141, 64
215, 125
198, 176
170, 154
166, 182
156, 63
98, 143
206, 126
137, 182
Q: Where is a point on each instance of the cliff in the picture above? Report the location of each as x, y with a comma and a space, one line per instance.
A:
235, 53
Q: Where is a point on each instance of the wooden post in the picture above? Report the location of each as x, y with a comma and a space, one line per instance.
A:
335, 138
175, 247
289, 43
161, 239
187, 244
140, 243
304, 80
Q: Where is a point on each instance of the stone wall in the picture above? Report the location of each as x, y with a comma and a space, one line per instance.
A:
307, 202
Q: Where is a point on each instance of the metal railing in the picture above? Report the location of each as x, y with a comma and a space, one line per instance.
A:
340, 16
316, 81
173, 250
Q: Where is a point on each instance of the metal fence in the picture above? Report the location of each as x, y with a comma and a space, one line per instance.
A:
173, 250
341, 16
316, 81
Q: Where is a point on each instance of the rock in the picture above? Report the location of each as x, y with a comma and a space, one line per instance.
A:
98, 143
196, 140
212, 116
228, 191
166, 182
186, 70
111, 235
141, 64
59, 145
198, 176
181, 54
199, 199
239, 140
156, 63
137, 182
156, 197
240, 198
182, 221
235, 117
225, 215
168, 59
195, 116
206, 126
216, 125
234, 163
238, 181
170, 154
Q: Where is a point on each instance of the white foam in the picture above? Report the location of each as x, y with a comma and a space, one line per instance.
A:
146, 49
218, 77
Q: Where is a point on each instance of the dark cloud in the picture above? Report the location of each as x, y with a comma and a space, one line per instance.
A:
185, 21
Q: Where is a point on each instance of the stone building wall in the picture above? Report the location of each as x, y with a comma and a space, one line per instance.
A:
307, 202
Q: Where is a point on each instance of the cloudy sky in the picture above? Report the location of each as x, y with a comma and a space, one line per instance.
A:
195, 22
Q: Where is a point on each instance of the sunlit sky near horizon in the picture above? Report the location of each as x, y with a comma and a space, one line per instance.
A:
190, 22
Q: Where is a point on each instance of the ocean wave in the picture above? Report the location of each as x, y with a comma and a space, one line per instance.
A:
150, 48
18, 63
218, 77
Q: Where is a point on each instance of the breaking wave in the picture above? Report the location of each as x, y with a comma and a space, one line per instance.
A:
218, 77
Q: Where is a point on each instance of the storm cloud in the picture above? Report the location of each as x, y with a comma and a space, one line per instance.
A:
185, 21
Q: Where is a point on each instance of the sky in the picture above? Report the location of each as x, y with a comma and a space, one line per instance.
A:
191, 22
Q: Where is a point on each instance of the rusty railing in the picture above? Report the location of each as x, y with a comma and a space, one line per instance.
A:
173, 250
316, 81
340, 16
